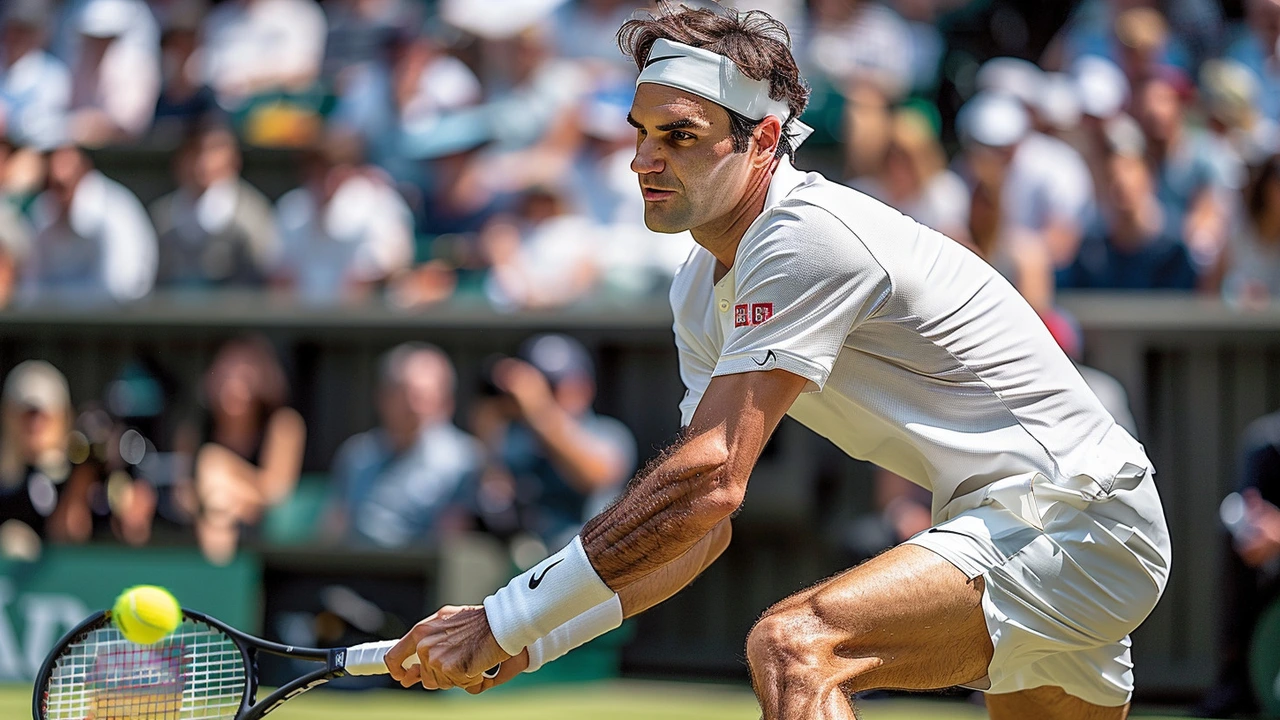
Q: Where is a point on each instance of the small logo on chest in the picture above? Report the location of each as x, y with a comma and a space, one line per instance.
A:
746, 315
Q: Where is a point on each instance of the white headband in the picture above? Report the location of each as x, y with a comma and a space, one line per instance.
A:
718, 79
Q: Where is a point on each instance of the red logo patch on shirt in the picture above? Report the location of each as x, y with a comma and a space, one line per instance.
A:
761, 312
741, 318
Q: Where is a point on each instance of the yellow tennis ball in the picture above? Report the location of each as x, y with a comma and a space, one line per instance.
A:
146, 614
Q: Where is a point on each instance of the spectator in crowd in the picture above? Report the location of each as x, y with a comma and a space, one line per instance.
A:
1195, 176
267, 51
1229, 95
35, 463
35, 86
15, 231
1251, 264
914, 178
1048, 188
1104, 94
993, 128
346, 230
1110, 29
867, 117
1136, 245
115, 81
1256, 45
215, 230
852, 41
555, 461
93, 240
405, 482
246, 448
407, 92
1252, 563
542, 257
185, 96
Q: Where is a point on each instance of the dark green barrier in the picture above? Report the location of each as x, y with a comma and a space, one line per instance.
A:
40, 601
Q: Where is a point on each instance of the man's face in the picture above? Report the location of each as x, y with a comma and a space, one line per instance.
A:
1159, 110
689, 173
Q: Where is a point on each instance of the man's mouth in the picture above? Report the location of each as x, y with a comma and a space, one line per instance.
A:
654, 195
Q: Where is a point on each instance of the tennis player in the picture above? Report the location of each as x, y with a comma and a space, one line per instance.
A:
808, 299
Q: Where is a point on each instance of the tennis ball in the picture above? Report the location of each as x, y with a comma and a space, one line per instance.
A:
145, 614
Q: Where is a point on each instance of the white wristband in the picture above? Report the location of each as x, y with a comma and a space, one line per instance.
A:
550, 594
579, 631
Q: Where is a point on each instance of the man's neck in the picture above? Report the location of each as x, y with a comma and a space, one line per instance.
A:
721, 236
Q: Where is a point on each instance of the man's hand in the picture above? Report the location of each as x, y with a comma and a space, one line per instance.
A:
526, 385
1264, 544
454, 647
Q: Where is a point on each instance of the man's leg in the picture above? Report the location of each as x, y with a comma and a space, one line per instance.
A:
1050, 703
906, 619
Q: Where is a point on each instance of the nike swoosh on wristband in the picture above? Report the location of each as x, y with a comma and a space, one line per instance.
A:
536, 580
770, 357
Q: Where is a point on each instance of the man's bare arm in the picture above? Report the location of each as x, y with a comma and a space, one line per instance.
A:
696, 484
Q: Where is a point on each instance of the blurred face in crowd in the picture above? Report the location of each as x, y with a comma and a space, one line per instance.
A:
17, 39
420, 392
217, 158
1130, 184
689, 173
242, 380
39, 430
867, 128
989, 164
1159, 110
67, 166
1264, 18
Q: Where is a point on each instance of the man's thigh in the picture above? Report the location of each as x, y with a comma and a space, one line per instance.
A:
1049, 703
906, 619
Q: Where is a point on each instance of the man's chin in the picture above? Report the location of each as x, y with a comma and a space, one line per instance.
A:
667, 226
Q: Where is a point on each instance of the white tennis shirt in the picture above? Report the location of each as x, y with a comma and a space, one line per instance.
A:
920, 357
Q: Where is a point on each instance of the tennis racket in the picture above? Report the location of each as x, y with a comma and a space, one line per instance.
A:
204, 670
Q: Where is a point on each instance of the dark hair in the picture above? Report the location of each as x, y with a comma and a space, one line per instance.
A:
759, 45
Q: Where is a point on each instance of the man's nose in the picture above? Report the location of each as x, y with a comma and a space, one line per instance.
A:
647, 161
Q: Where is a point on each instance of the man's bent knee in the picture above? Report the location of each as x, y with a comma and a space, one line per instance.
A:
795, 647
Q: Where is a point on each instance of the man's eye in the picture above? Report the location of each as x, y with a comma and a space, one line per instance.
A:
681, 136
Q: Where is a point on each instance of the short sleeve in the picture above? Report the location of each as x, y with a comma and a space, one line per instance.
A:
802, 285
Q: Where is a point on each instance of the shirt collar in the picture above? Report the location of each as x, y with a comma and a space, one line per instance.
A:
785, 179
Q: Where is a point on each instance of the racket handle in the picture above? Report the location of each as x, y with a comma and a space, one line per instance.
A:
367, 659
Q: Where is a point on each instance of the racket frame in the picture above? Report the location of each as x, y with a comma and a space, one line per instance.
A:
249, 646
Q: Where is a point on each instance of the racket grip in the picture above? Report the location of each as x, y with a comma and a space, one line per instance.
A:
367, 659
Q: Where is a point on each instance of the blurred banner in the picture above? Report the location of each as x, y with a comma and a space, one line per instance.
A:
41, 601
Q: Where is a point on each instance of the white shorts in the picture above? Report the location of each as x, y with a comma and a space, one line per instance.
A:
1061, 598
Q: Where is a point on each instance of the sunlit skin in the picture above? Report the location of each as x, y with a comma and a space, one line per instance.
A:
690, 177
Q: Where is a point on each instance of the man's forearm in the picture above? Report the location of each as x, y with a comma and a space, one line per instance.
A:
666, 581
668, 509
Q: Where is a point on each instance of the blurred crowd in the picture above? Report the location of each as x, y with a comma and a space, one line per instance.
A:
527, 464
449, 147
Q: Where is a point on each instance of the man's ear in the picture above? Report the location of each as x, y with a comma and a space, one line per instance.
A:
767, 134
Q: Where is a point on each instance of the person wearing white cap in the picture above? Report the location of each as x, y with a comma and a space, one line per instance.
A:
1046, 188
35, 86
35, 422
809, 299
114, 83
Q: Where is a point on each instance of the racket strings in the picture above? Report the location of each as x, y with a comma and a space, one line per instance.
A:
196, 673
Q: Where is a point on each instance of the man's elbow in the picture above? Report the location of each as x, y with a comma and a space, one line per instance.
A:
722, 494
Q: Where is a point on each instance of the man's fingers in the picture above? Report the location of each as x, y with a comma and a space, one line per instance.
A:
410, 677
395, 657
